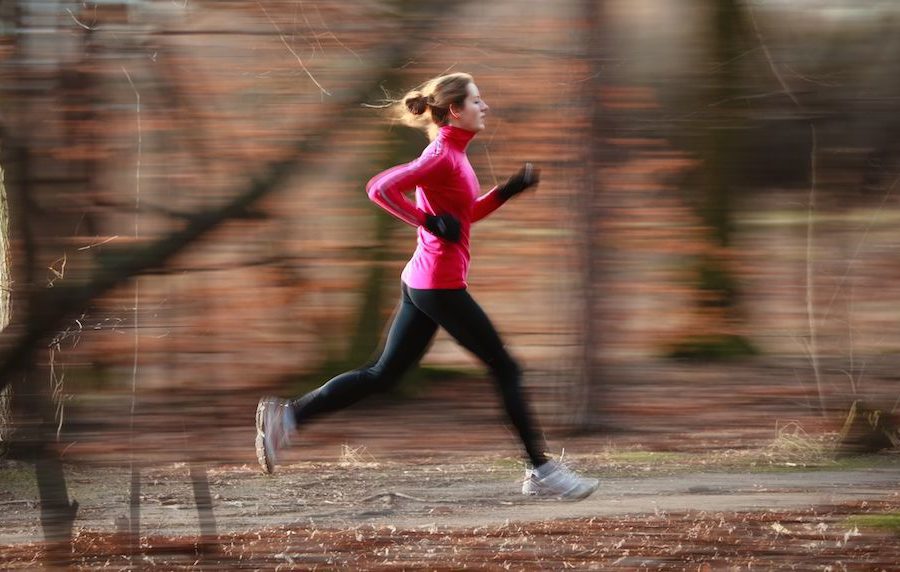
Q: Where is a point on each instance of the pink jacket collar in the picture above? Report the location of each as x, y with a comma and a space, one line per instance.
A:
456, 137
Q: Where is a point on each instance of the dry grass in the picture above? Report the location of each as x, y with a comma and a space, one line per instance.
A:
793, 444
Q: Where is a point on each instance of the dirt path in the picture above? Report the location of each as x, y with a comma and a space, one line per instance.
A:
708, 492
405, 495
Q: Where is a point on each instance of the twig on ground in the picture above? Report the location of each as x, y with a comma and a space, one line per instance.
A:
392, 495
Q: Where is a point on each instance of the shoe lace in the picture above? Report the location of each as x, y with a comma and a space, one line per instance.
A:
562, 464
529, 473
566, 475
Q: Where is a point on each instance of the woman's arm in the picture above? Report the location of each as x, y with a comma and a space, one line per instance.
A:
486, 204
527, 177
387, 189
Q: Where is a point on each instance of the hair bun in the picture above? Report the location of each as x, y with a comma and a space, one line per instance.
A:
416, 104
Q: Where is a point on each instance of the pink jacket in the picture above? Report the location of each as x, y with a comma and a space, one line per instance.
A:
445, 184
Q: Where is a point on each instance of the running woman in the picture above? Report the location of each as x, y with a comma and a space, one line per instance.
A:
433, 286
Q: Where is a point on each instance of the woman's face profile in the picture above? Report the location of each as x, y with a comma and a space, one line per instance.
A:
471, 115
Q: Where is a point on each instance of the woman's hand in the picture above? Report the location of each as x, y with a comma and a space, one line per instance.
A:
527, 177
443, 226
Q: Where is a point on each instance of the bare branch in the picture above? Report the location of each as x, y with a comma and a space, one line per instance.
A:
118, 266
290, 49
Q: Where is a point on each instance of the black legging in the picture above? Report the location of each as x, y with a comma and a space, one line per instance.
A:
415, 323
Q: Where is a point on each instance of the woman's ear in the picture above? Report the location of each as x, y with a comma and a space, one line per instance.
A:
454, 111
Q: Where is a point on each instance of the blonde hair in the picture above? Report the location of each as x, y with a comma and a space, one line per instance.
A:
428, 106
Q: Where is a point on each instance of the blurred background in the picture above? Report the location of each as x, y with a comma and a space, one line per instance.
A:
711, 253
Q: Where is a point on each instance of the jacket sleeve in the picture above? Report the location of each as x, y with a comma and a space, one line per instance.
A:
388, 189
486, 204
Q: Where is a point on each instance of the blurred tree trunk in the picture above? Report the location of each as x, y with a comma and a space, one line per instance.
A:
5, 307
8, 20
379, 291
590, 217
365, 338
31, 403
28, 101
719, 150
719, 312
716, 184
721, 159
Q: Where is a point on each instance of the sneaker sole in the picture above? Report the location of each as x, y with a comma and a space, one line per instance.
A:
565, 496
264, 462
583, 495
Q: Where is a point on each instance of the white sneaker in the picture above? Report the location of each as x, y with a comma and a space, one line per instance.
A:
274, 426
558, 481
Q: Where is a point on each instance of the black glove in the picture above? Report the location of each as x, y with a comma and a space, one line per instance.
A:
528, 176
443, 226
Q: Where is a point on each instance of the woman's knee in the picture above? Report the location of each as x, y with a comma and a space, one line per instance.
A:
380, 379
